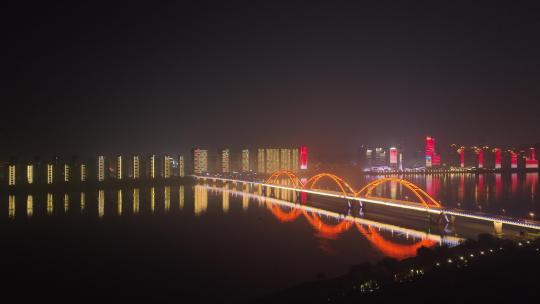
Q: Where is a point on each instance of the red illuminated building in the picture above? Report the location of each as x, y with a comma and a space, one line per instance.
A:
480, 156
513, 159
303, 157
531, 162
433, 159
498, 158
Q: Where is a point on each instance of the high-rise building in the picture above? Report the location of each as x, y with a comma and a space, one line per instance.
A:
285, 160
433, 159
498, 158
152, 167
83, 173
261, 164
531, 162
66, 173
167, 166
380, 158
303, 158
393, 157
30, 174
295, 161
245, 160
50, 174
400, 160
181, 166
101, 168
369, 159
136, 167
272, 160
199, 158
12, 177
119, 167
224, 161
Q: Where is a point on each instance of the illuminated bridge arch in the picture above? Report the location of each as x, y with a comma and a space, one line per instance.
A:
272, 180
423, 197
343, 185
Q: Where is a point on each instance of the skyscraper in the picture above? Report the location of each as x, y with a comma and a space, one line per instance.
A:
12, 177
101, 168
66, 173
83, 173
303, 158
119, 167
245, 160
167, 166
393, 158
295, 161
261, 165
433, 159
199, 158
30, 174
272, 160
285, 160
181, 166
136, 167
224, 160
152, 167
50, 174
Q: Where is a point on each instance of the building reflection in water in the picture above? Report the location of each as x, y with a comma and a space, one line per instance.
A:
83, 201
66, 202
119, 201
245, 198
200, 200
50, 203
531, 179
136, 199
513, 184
101, 203
181, 197
152, 199
167, 196
29, 205
11, 206
498, 186
225, 198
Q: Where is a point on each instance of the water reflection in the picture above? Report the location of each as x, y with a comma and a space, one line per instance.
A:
119, 201
11, 208
29, 205
83, 201
66, 203
101, 203
181, 197
136, 200
200, 199
167, 196
50, 203
152, 199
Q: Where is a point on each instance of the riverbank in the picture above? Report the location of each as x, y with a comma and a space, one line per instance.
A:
490, 269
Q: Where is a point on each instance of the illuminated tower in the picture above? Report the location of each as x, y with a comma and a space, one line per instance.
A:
66, 173
498, 158
167, 166
260, 161
30, 174
303, 158
83, 173
369, 159
531, 162
101, 168
199, 158
461, 153
119, 173
480, 157
400, 160
152, 168
12, 175
393, 158
245, 160
513, 159
224, 157
50, 174
181, 166
433, 159
380, 157
136, 167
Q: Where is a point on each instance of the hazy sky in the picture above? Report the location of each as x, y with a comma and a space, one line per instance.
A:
333, 75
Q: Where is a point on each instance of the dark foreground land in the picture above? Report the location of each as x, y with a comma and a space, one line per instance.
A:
489, 270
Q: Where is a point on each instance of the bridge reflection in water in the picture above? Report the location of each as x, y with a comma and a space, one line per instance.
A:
329, 225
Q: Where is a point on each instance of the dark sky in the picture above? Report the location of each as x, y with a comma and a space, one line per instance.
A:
88, 78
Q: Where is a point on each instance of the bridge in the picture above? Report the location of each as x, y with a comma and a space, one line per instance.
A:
424, 202
286, 211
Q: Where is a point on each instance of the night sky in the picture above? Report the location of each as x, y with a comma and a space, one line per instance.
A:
104, 78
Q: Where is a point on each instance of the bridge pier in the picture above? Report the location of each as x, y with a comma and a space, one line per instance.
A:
497, 226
